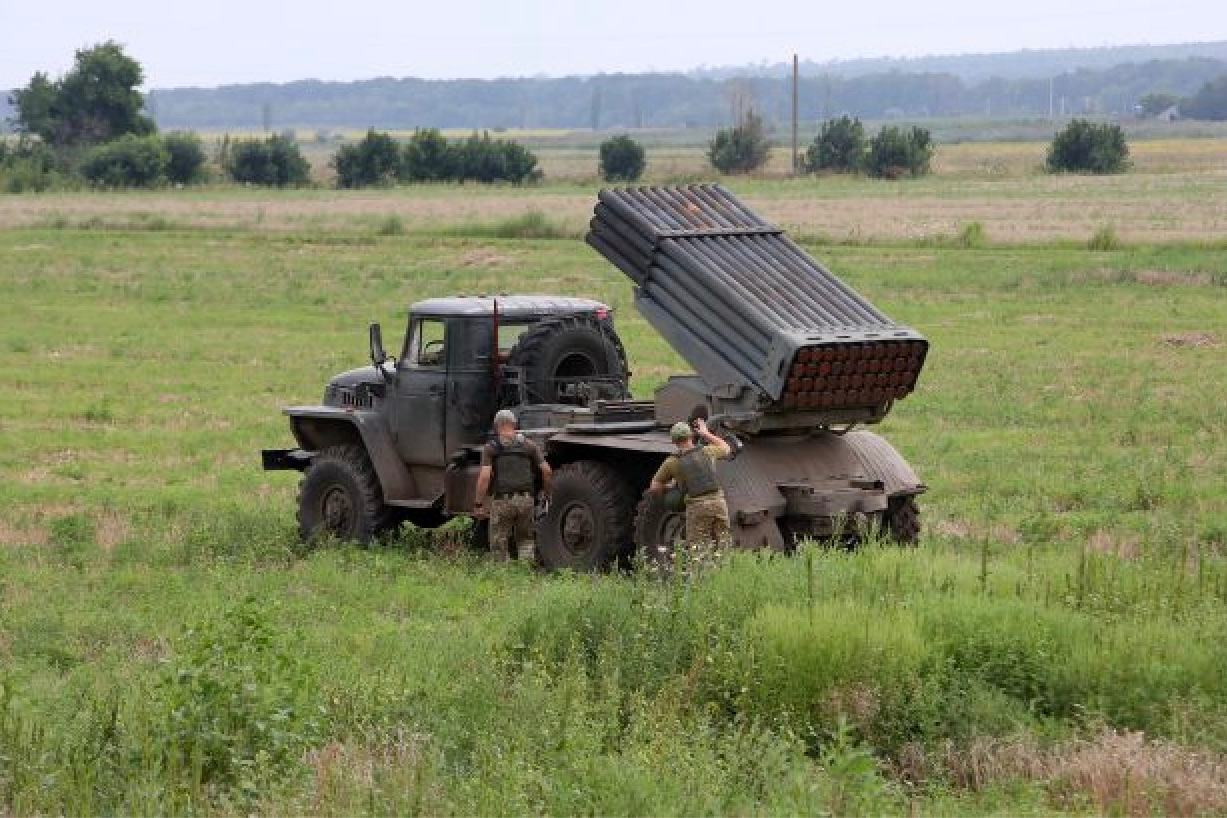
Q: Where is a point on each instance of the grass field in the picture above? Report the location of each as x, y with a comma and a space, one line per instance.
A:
1177, 192
1056, 643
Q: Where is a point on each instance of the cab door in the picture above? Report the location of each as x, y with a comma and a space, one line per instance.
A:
421, 393
471, 383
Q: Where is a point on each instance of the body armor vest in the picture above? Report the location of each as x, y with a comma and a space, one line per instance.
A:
697, 472
515, 468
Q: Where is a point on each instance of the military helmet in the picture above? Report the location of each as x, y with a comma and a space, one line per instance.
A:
504, 416
680, 431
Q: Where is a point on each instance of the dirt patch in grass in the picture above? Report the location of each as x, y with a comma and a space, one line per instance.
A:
1197, 340
12, 534
484, 257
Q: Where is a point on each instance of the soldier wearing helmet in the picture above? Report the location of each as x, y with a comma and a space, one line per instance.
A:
693, 471
512, 467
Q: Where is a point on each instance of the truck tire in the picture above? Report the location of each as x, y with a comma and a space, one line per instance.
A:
658, 529
588, 525
340, 496
901, 521
568, 347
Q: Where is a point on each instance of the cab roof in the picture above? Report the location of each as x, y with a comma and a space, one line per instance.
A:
509, 306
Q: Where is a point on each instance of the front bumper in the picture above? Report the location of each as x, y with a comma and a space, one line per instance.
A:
285, 459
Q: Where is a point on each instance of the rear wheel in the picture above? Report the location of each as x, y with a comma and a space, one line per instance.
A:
901, 521
340, 496
658, 530
588, 525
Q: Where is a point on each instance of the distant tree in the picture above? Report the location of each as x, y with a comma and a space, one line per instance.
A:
273, 162
621, 159
1210, 102
895, 152
428, 157
1155, 104
839, 146
742, 148
185, 158
1085, 147
130, 161
376, 160
95, 102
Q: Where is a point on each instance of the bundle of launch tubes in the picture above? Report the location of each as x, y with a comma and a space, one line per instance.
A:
745, 305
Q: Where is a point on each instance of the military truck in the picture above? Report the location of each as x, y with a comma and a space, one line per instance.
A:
789, 364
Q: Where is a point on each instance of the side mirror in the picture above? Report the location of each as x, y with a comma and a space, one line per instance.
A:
378, 356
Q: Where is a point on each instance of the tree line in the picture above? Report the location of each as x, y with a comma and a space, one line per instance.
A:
618, 101
91, 122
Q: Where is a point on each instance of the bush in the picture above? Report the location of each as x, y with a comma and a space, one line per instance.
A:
742, 148
839, 146
130, 161
376, 160
482, 159
896, 152
1104, 240
275, 162
27, 166
1084, 147
428, 157
185, 158
621, 159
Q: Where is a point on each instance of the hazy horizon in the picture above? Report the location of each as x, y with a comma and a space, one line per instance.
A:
248, 43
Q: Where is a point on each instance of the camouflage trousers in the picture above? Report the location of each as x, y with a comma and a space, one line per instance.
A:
707, 520
511, 519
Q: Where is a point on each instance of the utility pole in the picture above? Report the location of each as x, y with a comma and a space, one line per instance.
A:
795, 82
1050, 99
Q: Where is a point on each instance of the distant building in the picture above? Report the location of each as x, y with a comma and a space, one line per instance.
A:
1169, 114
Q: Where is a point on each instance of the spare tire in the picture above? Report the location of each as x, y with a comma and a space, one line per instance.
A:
571, 359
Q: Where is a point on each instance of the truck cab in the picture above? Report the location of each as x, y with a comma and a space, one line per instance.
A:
384, 435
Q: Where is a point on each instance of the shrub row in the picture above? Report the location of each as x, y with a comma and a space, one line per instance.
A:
841, 146
428, 156
145, 161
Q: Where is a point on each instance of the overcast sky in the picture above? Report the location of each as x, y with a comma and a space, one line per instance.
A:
225, 41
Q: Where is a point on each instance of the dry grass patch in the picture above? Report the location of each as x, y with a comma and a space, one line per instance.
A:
347, 773
1118, 773
970, 531
1125, 546
1173, 278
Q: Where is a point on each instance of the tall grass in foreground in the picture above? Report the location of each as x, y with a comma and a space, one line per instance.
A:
874, 682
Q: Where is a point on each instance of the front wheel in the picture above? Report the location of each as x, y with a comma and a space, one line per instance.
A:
588, 525
340, 496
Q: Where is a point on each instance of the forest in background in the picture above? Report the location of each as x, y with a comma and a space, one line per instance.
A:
1071, 82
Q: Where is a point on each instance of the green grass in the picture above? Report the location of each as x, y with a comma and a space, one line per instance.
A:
1071, 583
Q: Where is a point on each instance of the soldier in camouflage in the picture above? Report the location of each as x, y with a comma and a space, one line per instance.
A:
693, 470
511, 466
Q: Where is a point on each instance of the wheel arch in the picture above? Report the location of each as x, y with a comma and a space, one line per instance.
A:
635, 464
316, 428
